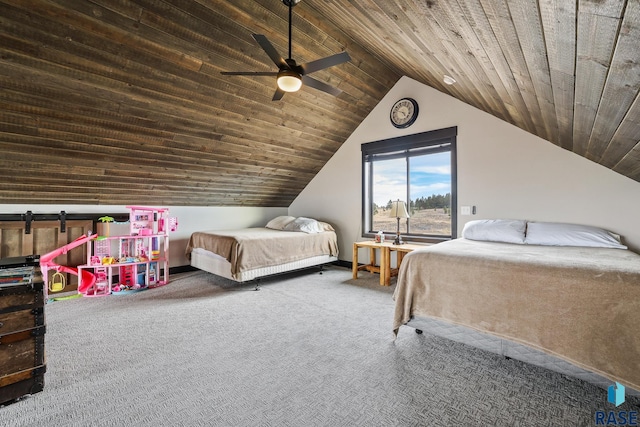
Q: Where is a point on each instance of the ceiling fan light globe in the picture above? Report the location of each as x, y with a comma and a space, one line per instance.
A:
289, 81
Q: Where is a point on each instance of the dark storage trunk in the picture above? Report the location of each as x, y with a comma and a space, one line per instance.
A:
22, 328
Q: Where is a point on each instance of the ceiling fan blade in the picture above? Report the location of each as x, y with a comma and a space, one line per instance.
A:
277, 96
266, 45
249, 73
329, 61
317, 84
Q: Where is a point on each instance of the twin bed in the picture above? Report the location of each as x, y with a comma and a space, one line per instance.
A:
532, 292
285, 244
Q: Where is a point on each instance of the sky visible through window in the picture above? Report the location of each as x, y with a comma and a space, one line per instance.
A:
429, 175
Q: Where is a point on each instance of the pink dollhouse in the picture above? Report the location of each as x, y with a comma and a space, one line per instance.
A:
140, 259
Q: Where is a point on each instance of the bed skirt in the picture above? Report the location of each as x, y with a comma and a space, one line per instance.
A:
215, 264
513, 350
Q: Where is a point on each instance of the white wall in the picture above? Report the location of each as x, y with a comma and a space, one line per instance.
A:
190, 219
502, 170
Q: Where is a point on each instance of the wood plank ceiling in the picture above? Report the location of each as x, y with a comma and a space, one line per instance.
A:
122, 101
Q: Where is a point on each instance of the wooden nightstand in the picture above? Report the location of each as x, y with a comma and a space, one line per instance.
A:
385, 248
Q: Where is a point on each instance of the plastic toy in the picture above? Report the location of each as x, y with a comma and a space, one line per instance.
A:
139, 260
142, 259
58, 282
107, 220
86, 279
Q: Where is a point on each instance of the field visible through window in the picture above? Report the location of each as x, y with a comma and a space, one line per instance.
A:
422, 221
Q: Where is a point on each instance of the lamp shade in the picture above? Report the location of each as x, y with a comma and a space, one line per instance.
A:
289, 81
398, 210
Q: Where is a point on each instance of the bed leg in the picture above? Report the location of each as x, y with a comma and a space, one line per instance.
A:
419, 331
257, 284
321, 269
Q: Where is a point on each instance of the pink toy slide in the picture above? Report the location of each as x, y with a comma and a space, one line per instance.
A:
46, 263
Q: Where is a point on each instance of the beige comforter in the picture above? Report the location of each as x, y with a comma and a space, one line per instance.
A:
252, 248
580, 304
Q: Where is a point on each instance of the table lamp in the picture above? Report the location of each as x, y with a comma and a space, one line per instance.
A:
398, 210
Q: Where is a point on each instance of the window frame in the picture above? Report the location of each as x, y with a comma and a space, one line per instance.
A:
405, 147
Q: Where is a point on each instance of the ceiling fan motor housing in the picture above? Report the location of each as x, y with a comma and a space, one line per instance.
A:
294, 67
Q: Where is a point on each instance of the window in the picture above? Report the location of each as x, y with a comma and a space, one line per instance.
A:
419, 168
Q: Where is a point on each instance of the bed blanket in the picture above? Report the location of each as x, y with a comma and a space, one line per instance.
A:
258, 247
579, 304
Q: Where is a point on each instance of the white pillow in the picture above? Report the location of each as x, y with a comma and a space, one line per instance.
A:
559, 234
278, 223
495, 230
306, 225
325, 226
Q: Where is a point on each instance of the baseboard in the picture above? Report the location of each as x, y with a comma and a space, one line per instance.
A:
342, 263
181, 269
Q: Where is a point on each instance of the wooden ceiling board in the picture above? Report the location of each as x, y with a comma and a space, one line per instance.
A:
625, 145
632, 158
559, 25
122, 101
596, 42
456, 37
621, 88
526, 18
498, 14
501, 73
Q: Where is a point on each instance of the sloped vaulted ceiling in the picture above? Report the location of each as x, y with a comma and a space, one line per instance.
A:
122, 101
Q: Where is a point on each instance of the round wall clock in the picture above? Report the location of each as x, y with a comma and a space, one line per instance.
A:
404, 112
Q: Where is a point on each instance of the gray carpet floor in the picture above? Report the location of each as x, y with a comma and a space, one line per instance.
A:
305, 350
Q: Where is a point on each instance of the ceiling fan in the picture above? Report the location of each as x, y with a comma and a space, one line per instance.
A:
290, 75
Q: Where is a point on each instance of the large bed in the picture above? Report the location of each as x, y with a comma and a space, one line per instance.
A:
573, 309
284, 244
